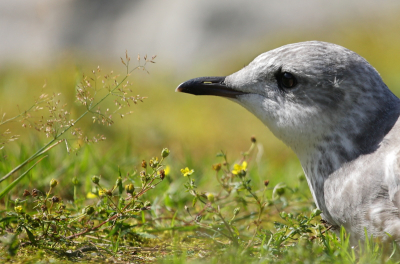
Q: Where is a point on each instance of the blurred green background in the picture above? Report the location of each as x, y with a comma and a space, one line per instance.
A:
216, 40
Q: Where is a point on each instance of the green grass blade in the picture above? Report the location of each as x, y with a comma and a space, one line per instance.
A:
12, 185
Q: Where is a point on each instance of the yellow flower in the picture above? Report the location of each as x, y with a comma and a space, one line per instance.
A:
210, 197
167, 170
238, 168
91, 195
102, 192
186, 172
18, 209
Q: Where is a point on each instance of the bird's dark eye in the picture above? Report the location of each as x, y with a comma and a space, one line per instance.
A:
287, 80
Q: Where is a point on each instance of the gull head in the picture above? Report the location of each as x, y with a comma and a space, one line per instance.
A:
333, 109
308, 94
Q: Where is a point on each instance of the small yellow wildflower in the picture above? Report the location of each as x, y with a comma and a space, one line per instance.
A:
238, 168
186, 172
91, 195
210, 197
18, 209
130, 188
102, 193
167, 170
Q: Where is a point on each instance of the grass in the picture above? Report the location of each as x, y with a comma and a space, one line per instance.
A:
154, 185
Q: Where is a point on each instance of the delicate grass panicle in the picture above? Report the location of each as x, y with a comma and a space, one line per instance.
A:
58, 120
231, 212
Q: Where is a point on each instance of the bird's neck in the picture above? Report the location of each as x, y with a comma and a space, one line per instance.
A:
343, 146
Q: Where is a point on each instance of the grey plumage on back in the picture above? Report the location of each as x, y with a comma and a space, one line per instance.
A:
333, 109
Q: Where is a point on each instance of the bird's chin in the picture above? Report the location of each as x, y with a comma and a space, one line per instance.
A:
209, 86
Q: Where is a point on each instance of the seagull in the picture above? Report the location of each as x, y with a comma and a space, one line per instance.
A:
332, 108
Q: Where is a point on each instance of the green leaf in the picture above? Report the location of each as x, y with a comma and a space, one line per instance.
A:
194, 201
143, 218
30, 236
235, 230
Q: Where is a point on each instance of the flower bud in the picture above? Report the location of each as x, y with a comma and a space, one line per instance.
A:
130, 188
283, 214
154, 162
316, 212
55, 199
53, 183
95, 179
88, 210
26, 193
236, 211
198, 218
165, 153
118, 182
280, 191
266, 183
253, 139
75, 181
216, 167
210, 197
302, 177
162, 174
43, 208
144, 164
35, 192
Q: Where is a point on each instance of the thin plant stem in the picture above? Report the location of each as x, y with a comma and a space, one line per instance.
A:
45, 148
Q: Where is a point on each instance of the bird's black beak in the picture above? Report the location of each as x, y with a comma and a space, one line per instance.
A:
208, 86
